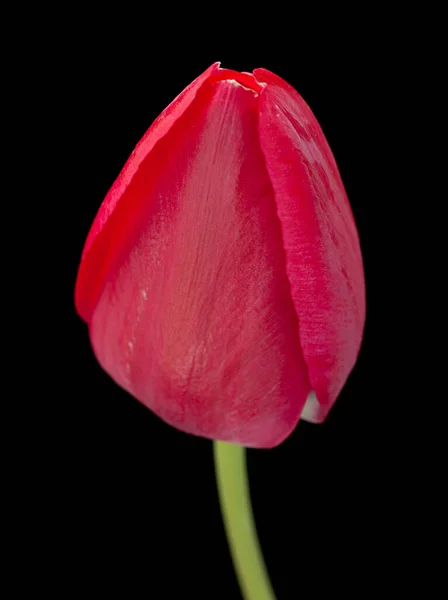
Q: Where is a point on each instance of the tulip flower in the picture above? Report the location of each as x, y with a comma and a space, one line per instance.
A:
222, 279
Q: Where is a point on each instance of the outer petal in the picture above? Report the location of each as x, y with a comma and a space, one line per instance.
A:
323, 258
100, 250
196, 318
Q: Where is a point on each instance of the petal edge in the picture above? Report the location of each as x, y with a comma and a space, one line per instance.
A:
86, 292
324, 263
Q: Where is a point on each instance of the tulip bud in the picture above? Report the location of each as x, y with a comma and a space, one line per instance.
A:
222, 278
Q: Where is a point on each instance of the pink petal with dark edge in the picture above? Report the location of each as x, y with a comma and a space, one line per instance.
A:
323, 258
100, 249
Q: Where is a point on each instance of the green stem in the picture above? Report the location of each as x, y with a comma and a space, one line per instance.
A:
233, 488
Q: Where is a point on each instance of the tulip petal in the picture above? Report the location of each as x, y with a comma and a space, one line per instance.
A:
195, 319
99, 250
323, 258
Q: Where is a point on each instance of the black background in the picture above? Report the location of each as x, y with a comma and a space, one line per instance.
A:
119, 502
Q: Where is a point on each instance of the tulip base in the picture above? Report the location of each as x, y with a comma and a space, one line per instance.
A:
234, 495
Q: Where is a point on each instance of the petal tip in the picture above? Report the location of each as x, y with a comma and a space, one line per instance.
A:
313, 411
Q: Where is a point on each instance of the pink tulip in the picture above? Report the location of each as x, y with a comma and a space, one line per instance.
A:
222, 279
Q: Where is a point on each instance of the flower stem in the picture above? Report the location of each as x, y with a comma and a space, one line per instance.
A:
233, 488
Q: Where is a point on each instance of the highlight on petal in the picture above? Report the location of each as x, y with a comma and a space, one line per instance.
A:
323, 257
194, 316
247, 80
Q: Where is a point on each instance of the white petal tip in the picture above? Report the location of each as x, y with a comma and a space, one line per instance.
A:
313, 412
